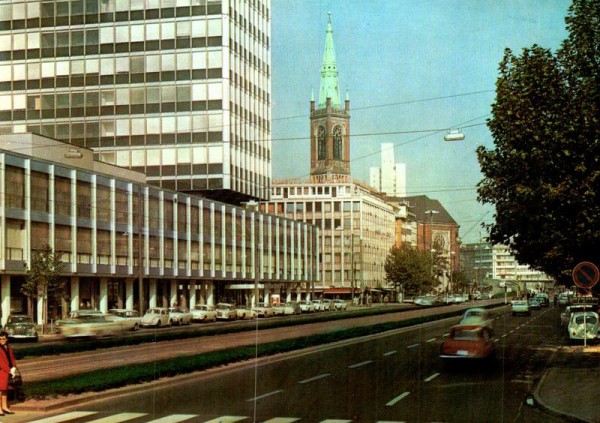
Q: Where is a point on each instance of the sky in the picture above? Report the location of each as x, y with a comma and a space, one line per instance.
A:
412, 69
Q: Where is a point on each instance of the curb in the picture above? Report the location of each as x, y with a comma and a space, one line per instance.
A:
539, 402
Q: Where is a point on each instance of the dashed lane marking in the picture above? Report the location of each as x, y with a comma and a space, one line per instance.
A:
433, 376
430, 340
312, 379
362, 363
398, 398
282, 420
227, 419
390, 353
279, 391
412, 346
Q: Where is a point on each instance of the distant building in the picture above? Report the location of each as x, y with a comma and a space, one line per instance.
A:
390, 178
356, 225
487, 264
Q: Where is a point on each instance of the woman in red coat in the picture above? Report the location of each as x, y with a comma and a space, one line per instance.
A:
7, 367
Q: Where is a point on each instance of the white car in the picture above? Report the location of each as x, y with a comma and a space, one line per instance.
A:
307, 306
583, 325
339, 305
318, 305
204, 313
226, 311
264, 310
245, 313
477, 317
130, 319
180, 316
88, 326
326, 305
289, 308
156, 317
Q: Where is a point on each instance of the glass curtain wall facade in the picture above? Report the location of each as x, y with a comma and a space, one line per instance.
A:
177, 89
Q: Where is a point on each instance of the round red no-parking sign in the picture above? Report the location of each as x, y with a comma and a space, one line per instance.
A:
585, 275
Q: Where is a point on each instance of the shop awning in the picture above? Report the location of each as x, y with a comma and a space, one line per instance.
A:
244, 286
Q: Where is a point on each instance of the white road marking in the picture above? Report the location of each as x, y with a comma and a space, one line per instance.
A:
282, 420
118, 418
312, 379
176, 418
390, 353
433, 376
412, 346
266, 395
446, 335
398, 398
362, 363
430, 340
66, 417
336, 421
227, 419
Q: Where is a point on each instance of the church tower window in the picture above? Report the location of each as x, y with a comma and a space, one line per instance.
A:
337, 143
322, 143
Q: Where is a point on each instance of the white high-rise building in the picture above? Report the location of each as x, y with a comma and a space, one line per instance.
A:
391, 176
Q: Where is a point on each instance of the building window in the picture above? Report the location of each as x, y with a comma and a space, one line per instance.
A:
321, 143
337, 143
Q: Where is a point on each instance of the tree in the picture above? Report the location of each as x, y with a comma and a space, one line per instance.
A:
409, 269
543, 176
44, 280
460, 282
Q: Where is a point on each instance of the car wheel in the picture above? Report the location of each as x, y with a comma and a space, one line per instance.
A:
136, 327
157, 324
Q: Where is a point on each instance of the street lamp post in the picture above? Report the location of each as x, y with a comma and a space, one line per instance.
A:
452, 253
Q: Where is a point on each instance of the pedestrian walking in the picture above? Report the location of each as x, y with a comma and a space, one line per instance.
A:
8, 369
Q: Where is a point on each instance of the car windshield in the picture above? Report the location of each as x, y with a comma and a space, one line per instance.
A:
153, 311
201, 308
20, 319
223, 307
590, 319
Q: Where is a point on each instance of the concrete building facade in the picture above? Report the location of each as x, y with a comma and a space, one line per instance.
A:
390, 177
125, 243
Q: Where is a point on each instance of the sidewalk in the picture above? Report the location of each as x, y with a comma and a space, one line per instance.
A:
571, 391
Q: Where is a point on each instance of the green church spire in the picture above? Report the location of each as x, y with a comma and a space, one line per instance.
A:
329, 73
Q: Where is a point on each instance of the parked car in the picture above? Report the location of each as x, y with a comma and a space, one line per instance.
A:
129, 319
294, 306
180, 316
468, 342
279, 309
265, 310
477, 317
244, 312
307, 306
427, 300
534, 304
226, 311
21, 327
520, 307
326, 305
563, 299
318, 305
156, 317
544, 299
204, 313
565, 316
339, 305
73, 315
583, 325
91, 326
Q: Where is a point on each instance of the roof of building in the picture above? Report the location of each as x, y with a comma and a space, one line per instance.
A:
420, 204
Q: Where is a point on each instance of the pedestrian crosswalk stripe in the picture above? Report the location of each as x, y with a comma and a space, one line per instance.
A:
66, 417
118, 418
336, 421
227, 419
174, 418
282, 420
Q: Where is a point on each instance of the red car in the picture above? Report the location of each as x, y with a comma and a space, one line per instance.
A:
468, 342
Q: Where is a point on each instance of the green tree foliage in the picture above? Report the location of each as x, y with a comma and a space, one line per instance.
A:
409, 269
460, 282
44, 279
543, 176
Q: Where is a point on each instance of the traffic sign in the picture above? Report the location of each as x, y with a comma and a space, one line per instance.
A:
585, 275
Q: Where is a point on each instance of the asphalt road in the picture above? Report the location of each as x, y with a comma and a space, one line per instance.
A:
392, 377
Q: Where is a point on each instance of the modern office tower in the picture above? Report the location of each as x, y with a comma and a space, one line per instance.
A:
177, 89
390, 178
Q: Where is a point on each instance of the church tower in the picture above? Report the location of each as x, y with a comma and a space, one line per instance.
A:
329, 124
